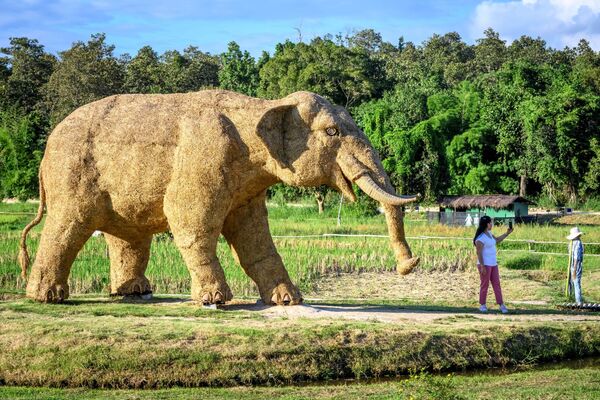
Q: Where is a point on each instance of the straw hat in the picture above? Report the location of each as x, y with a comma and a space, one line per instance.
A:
575, 233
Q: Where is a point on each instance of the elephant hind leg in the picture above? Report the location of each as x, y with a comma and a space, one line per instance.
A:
61, 240
128, 262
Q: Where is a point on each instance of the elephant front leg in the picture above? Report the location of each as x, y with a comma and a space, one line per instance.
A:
208, 279
198, 198
247, 231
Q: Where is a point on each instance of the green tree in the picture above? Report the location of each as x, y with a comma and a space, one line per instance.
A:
4, 71
418, 162
407, 66
21, 149
144, 73
262, 60
238, 71
586, 68
377, 54
417, 159
471, 154
490, 52
367, 40
446, 59
86, 72
561, 125
591, 184
529, 50
471, 169
191, 71
26, 69
373, 118
504, 94
323, 66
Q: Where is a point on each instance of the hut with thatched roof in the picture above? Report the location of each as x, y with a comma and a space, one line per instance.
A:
458, 209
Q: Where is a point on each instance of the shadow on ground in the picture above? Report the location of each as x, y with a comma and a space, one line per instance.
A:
383, 311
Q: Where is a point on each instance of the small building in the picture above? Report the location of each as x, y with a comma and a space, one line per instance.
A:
466, 210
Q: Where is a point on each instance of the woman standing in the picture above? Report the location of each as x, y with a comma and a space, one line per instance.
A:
485, 243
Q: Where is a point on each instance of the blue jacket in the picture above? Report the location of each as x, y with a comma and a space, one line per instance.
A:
576, 261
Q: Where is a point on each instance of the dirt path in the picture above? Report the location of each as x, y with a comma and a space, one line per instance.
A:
452, 291
438, 287
321, 309
312, 309
395, 314
521, 288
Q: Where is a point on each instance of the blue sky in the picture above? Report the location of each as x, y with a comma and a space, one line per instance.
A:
257, 26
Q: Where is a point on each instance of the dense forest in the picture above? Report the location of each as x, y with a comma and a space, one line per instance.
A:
447, 117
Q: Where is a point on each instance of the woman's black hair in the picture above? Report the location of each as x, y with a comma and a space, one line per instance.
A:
483, 223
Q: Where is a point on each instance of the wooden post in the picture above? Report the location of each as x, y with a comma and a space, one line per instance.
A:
339, 217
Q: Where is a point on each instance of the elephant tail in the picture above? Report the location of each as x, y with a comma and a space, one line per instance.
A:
23, 255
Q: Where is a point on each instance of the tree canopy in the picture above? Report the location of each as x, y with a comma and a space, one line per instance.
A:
446, 117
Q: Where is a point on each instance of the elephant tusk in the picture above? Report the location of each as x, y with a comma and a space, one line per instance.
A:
373, 190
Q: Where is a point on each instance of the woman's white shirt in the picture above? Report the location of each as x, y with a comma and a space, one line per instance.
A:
489, 249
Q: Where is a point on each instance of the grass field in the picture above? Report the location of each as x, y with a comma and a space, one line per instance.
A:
96, 347
309, 259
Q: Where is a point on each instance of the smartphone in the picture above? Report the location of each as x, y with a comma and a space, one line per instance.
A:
509, 224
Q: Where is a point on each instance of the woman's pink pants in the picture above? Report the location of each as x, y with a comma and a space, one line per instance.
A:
487, 274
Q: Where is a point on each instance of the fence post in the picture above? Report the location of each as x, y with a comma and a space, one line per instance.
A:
339, 217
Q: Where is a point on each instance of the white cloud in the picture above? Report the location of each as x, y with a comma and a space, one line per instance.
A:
567, 9
559, 22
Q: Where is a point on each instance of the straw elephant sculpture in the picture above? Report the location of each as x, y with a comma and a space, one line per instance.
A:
198, 164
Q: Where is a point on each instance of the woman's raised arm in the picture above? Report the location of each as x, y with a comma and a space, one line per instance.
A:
503, 236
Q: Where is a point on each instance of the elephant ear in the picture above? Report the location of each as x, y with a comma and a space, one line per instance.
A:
273, 128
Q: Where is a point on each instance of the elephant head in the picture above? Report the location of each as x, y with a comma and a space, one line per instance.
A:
312, 142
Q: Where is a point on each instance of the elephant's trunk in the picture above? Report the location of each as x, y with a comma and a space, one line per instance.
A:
368, 173
394, 217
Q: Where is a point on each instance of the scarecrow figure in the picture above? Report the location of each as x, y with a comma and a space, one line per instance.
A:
575, 265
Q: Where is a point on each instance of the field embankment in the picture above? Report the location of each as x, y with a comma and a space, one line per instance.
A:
100, 343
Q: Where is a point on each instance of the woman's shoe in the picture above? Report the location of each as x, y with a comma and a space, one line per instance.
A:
483, 308
503, 309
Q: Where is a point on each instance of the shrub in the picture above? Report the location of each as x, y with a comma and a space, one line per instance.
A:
525, 262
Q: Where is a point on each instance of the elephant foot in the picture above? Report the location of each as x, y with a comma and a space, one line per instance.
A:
212, 294
55, 293
139, 286
282, 294
406, 266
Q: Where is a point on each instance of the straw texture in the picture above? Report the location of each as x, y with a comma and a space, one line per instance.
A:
198, 164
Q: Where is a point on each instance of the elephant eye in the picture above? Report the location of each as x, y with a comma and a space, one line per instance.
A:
332, 131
